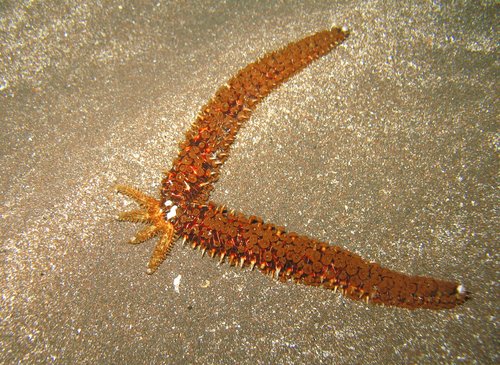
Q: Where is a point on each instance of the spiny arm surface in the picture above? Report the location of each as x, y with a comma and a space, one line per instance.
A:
207, 143
248, 241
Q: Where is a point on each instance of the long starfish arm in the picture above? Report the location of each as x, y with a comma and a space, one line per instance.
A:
207, 143
248, 241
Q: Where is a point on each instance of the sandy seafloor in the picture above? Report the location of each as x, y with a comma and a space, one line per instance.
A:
388, 146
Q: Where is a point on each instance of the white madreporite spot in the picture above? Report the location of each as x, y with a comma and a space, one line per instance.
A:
172, 212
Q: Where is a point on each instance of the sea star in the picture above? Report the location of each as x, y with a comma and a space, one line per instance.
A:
184, 210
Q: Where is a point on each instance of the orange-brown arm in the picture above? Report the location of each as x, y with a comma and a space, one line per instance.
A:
248, 241
207, 143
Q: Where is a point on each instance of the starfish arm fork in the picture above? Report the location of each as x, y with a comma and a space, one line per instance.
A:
152, 215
